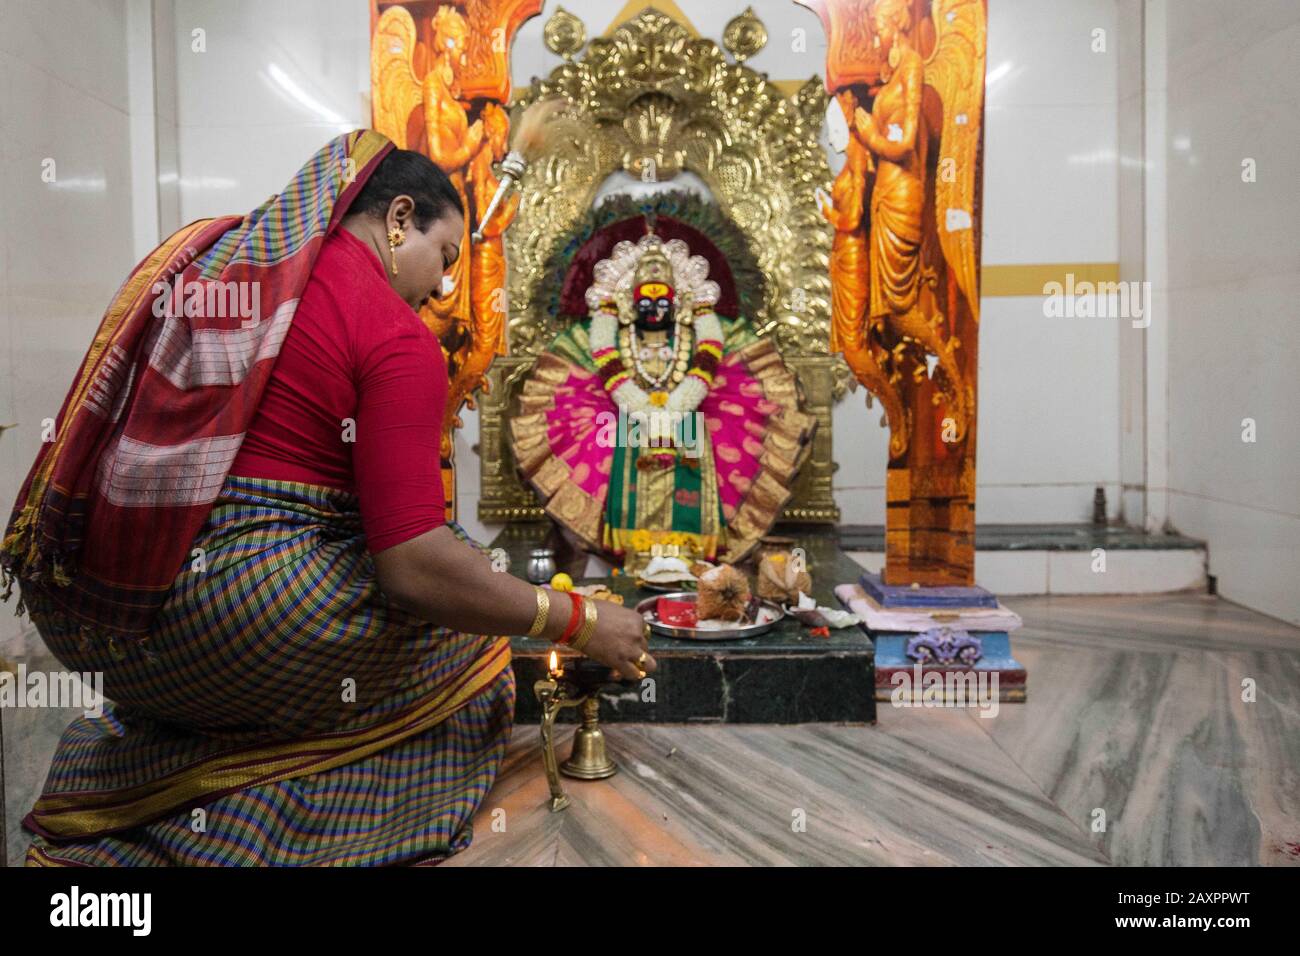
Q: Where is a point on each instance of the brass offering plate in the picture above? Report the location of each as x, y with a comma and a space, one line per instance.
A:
664, 588
768, 609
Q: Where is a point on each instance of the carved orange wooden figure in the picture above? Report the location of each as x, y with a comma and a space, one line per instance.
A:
909, 79
440, 77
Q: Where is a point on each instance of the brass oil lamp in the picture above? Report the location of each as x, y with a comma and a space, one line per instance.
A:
574, 686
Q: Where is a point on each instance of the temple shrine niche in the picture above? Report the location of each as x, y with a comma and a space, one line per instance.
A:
656, 323
659, 143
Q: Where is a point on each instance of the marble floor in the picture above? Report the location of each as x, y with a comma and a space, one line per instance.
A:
1135, 709
1135, 719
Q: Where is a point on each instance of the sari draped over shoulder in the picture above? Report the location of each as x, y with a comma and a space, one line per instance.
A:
269, 705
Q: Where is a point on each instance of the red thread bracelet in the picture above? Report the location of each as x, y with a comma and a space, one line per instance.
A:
575, 619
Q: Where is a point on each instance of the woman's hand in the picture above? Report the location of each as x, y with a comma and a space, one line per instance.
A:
446, 581
619, 641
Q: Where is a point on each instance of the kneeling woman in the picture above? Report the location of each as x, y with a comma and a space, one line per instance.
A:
240, 525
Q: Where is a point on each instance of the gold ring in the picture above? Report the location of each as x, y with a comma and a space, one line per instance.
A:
640, 674
647, 630
641, 660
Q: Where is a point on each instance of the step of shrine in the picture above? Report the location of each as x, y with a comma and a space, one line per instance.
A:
787, 676
790, 676
1021, 559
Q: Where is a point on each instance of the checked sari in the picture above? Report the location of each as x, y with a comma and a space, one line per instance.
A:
282, 713
269, 705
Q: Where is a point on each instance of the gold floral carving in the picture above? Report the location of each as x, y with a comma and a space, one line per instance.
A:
564, 33
651, 100
744, 35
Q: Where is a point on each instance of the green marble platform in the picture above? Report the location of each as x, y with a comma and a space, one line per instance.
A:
787, 676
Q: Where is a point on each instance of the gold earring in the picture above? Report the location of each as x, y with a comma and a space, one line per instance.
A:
395, 238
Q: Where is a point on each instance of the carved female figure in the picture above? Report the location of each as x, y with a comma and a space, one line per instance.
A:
890, 132
893, 132
487, 267
844, 209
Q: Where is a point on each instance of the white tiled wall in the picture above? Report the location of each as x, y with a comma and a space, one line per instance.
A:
272, 84
66, 245
1050, 133
1234, 276
1131, 239
1076, 572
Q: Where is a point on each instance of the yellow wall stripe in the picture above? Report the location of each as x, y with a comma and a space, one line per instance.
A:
997, 281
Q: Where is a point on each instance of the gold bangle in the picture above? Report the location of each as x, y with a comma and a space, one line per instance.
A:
588, 625
543, 612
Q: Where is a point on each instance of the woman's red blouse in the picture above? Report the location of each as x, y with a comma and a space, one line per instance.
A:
355, 399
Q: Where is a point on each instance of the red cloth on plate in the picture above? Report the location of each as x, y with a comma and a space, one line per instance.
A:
356, 351
676, 613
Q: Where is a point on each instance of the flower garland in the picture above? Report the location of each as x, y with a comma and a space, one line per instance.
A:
693, 378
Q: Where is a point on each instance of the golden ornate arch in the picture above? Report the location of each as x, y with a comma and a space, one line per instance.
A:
652, 100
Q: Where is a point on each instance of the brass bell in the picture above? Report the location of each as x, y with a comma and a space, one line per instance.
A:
590, 758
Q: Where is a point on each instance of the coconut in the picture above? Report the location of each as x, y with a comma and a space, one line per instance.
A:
780, 578
724, 594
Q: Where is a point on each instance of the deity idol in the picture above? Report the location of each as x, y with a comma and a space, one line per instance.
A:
658, 422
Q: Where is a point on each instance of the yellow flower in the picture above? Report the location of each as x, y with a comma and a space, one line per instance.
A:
659, 399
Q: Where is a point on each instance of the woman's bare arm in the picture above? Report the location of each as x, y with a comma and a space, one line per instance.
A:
438, 577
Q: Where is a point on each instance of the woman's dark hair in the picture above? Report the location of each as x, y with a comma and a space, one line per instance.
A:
406, 172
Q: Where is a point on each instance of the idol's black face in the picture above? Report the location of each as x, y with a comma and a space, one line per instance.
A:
654, 307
